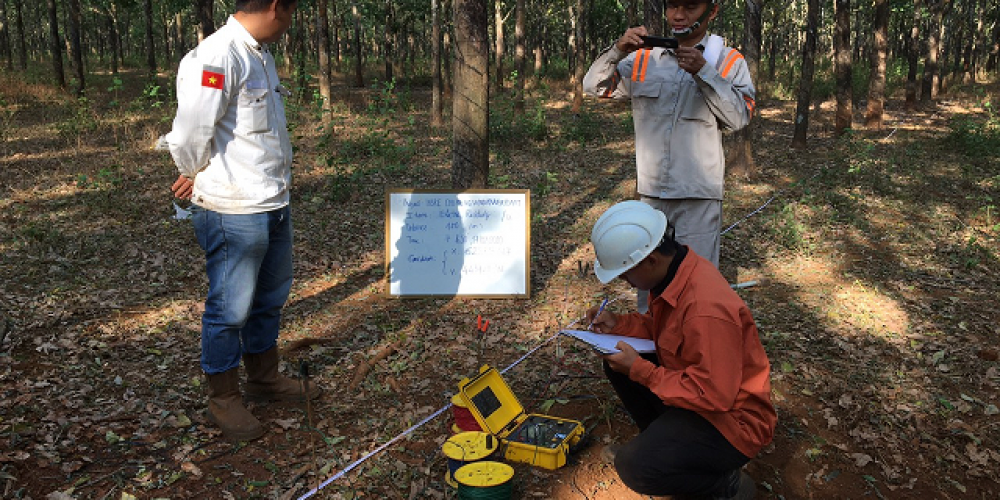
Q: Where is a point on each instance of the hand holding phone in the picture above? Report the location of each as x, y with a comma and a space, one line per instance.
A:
650, 41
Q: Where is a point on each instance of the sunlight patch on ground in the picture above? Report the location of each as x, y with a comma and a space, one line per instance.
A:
848, 306
150, 322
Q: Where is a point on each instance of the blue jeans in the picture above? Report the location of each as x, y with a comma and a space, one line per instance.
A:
248, 259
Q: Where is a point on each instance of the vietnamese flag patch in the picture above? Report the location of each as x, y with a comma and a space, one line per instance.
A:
212, 77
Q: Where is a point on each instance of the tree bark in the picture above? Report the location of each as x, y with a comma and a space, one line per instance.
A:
876, 80
150, 48
75, 53
743, 163
805, 84
498, 57
994, 58
654, 16
437, 106
298, 36
390, 33
470, 105
969, 59
206, 21
447, 55
520, 53
929, 86
842, 49
578, 56
179, 35
5, 45
323, 40
913, 58
359, 79
23, 44
55, 45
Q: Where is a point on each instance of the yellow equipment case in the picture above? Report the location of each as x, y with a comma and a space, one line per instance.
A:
532, 439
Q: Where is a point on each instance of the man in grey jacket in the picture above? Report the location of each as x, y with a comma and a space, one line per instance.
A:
683, 99
230, 143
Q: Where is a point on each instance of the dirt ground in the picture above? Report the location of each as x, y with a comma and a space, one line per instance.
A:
875, 261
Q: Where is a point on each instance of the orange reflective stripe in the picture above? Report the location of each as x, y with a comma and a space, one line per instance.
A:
751, 104
645, 62
729, 55
613, 86
733, 57
637, 66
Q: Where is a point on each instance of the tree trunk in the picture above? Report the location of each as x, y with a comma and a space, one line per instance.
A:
498, 58
928, 88
437, 106
165, 38
772, 55
75, 53
179, 34
298, 56
876, 80
323, 41
654, 17
742, 163
359, 80
390, 33
969, 59
520, 53
447, 56
574, 20
22, 43
842, 48
913, 58
470, 105
150, 48
806, 81
55, 45
5, 45
335, 41
994, 58
206, 21
578, 56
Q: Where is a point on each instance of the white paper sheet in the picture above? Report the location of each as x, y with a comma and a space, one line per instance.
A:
606, 343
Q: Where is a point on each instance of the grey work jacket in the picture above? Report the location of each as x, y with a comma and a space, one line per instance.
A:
679, 117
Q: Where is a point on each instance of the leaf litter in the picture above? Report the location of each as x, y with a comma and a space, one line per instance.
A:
876, 311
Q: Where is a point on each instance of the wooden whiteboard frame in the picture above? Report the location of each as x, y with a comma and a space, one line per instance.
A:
518, 257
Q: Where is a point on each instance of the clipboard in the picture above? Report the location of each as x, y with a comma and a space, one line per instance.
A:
605, 343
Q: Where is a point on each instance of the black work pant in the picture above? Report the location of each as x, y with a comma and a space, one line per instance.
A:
677, 451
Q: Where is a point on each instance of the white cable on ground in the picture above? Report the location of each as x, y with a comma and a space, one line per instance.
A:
751, 214
445, 408
416, 426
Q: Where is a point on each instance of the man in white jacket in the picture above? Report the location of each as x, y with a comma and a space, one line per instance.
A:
683, 99
230, 143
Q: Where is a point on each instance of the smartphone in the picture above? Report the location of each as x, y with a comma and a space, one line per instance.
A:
659, 41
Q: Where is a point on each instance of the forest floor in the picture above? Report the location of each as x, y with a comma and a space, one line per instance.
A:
876, 264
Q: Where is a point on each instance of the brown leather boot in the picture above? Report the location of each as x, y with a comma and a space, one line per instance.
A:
264, 383
225, 407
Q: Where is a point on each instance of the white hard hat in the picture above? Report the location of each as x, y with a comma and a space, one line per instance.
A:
624, 235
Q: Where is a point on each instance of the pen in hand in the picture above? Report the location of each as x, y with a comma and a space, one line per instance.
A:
599, 311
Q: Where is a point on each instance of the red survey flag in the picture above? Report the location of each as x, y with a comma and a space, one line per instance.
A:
212, 77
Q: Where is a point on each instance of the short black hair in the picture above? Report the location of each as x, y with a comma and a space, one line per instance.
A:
251, 6
668, 245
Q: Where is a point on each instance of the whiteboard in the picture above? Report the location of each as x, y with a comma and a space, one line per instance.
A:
449, 243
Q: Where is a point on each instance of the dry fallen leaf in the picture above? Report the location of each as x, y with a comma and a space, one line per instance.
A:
861, 459
191, 468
